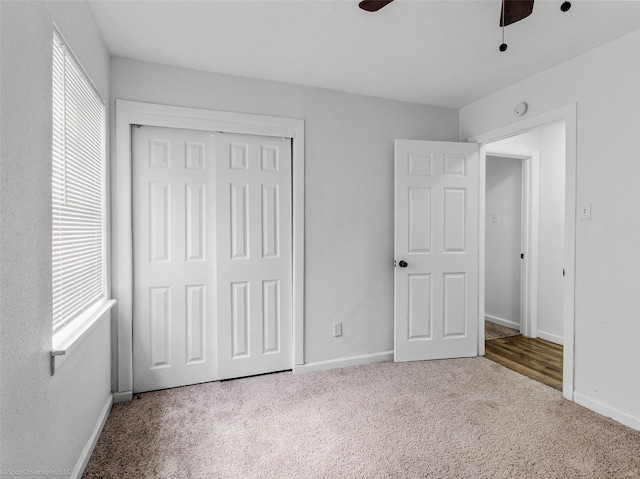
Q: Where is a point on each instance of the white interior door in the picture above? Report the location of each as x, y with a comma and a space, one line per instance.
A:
436, 250
174, 248
212, 233
254, 245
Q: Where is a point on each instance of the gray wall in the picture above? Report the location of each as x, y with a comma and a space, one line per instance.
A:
604, 83
348, 188
45, 421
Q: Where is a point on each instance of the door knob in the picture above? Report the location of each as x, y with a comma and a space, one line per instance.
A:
403, 264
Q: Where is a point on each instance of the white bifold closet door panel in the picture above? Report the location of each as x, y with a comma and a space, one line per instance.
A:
254, 254
212, 256
436, 250
173, 257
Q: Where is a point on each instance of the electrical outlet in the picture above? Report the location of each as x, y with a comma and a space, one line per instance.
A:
337, 329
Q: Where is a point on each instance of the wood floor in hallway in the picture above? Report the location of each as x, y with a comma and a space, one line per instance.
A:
535, 358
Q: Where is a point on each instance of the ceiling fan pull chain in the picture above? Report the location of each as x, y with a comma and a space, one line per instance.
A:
503, 46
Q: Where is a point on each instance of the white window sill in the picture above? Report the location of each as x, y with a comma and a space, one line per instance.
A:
67, 340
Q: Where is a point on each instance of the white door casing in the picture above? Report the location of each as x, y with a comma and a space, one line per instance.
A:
436, 234
568, 115
174, 257
254, 254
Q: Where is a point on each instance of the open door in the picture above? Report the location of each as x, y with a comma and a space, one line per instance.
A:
436, 250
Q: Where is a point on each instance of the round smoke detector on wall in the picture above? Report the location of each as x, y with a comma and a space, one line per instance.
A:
521, 108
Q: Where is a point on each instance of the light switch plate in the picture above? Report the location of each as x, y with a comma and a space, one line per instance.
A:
584, 211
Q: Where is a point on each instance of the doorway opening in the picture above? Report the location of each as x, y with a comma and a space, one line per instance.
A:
511, 241
525, 199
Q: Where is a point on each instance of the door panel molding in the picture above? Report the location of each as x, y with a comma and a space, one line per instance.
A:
131, 113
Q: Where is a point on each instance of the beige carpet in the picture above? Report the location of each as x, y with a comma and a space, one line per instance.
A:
461, 418
496, 331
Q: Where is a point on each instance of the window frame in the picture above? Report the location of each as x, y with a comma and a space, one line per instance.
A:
68, 333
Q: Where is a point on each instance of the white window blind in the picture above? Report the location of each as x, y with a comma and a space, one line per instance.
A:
78, 191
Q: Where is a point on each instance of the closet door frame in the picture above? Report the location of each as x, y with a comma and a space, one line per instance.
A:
129, 113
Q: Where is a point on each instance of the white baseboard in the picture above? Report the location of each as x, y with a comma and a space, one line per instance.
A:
502, 322
343, 362
122, 396
616, 415
551, 337
93, 439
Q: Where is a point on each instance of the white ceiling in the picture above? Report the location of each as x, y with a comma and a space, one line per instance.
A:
426, 51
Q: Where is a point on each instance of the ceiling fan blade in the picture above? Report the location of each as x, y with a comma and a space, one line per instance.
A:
515, 10
373, 5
